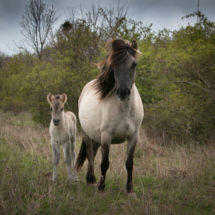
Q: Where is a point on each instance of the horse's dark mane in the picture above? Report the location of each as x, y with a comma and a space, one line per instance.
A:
105, 81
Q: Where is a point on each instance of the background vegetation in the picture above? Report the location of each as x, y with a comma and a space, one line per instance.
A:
175, 74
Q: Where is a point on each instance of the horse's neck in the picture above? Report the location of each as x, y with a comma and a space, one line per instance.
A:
63, 120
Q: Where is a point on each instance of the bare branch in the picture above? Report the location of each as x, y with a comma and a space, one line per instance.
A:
37, 24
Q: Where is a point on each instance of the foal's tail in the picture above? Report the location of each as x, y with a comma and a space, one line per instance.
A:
81, 156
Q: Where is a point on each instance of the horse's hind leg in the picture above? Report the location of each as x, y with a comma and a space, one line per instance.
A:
90, 156
73, 158
129, 162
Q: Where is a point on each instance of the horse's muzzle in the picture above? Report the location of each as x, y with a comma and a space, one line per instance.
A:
123, 95
56, 122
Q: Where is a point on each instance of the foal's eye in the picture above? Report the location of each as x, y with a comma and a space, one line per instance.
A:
62, 109
134, 65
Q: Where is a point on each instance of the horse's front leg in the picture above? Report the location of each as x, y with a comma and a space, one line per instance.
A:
105, 147
56, 155
129, 162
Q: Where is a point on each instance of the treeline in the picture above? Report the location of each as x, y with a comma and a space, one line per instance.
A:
175, 74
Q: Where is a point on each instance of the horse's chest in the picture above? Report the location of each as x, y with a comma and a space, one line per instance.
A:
60, 135
123, 128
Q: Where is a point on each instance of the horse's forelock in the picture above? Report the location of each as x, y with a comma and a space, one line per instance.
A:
58, 98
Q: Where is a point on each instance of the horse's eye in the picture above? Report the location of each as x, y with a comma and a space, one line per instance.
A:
62, 109
134, 65
50, 109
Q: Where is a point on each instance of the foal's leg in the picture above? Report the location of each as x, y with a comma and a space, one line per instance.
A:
105, 147
56, 155
90, 156
67, 157
129, 162
73, 158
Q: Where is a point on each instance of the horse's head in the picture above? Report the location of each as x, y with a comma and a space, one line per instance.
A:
118, 69
57, 106
124, 69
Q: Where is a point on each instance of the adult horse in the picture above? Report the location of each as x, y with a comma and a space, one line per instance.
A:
111, 110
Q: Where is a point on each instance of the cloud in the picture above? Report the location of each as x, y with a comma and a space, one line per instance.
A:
161, 13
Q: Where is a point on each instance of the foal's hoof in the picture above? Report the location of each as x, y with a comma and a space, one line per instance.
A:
132, 195
75, 178
54, 182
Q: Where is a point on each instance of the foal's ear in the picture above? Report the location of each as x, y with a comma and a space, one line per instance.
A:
50, 97
116, 43
64, 98
134, 44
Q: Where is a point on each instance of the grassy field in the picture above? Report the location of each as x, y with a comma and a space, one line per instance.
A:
168, 178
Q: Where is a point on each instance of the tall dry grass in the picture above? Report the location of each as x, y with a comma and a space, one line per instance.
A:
169, 178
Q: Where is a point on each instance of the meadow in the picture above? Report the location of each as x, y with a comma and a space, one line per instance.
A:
169, 177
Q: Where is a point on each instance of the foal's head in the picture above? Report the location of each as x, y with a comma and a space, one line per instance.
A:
118, 69
57, 106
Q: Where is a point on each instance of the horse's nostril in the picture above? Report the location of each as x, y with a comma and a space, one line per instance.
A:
118, 91
128, 92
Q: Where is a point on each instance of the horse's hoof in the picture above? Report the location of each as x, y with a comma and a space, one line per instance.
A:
101, 187
102, 192
132, 195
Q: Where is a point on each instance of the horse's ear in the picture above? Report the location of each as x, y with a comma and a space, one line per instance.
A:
116, 43
134, 44
50, 97
64, 98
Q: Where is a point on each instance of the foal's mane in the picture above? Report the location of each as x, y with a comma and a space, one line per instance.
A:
117, 52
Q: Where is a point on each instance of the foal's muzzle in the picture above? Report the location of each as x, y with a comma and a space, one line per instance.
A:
56, 122
123, 94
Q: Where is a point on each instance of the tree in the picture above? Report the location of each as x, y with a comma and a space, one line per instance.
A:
184, 62
37, 24
3, 59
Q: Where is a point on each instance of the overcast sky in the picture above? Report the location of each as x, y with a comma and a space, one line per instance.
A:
161, 13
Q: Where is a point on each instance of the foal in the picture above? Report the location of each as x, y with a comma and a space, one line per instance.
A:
63, 132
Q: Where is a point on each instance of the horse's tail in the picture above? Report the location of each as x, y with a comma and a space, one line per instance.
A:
81, 156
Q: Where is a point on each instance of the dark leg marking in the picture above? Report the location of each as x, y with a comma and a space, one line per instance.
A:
95, 148
129, 167
104, 166
90, 170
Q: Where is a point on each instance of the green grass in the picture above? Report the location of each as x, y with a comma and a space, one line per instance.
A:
171, 179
